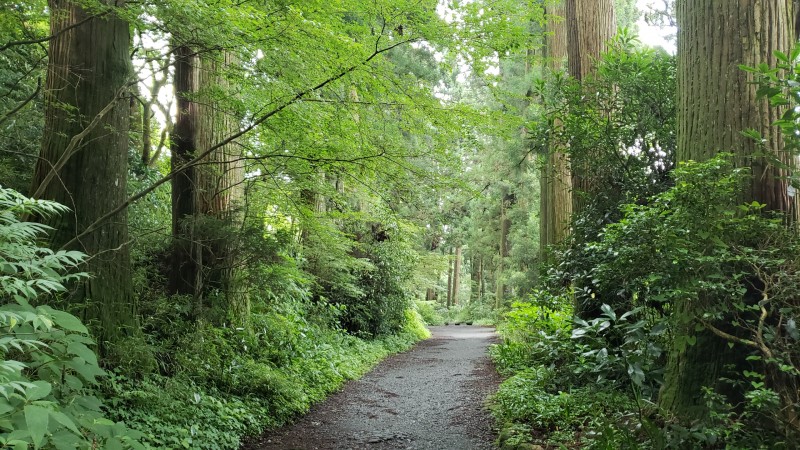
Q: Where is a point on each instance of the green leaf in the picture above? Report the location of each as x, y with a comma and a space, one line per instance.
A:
80, 350
40, 390
65, 420
37, 420
67, 321
113, 444
608, 312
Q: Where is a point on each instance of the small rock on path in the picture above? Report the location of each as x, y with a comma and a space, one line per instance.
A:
431, 397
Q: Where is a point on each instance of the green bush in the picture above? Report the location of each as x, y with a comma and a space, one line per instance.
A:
415, 326
562, 417
233, 382
48, 371
429, 313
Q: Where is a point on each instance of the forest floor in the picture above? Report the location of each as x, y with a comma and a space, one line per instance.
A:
431, 397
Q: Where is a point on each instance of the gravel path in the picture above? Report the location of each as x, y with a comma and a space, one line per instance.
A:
431, 397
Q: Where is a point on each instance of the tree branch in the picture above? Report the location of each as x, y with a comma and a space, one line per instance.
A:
25, 102
8, 45
294, 99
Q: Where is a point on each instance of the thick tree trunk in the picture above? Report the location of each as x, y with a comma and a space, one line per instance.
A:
716, 102
456, 275
219, 190
590, 25
84, 158
186, 264
205, 197
556, 177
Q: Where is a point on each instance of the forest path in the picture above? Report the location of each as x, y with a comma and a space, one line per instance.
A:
431, 397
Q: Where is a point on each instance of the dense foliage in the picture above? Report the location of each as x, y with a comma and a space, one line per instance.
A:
262, 199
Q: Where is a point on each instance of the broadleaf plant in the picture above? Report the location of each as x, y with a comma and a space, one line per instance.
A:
48, 368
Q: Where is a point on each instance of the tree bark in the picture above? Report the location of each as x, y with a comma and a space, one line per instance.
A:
456, 275
83, 162
590, 25
556, 177
716, 102
475, 279
450, 279
219, 189
205, 197
505, 228
185, 270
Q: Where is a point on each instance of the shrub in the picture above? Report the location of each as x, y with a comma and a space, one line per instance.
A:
48, 370
427, 310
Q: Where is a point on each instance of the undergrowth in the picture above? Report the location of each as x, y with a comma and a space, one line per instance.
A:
230, 383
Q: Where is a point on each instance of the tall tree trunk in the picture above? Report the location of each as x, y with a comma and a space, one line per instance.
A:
147, 134
136, 132
84, 157
505, 228
450, 279
186, 264
716, 101
556, 177
481, 280
205, 197
456, 275
475, 278
590, 25
219, 190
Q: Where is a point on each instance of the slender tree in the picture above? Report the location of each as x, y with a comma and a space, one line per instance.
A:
84, 156
507, 202
716, 102
450, 279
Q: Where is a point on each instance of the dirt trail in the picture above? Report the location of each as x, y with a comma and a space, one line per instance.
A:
431, 397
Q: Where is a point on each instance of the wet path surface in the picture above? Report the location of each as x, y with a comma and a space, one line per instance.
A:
431, 397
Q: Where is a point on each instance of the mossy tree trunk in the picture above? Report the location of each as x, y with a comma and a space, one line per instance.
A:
84, 157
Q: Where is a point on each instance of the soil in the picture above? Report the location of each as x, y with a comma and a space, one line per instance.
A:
431, 397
